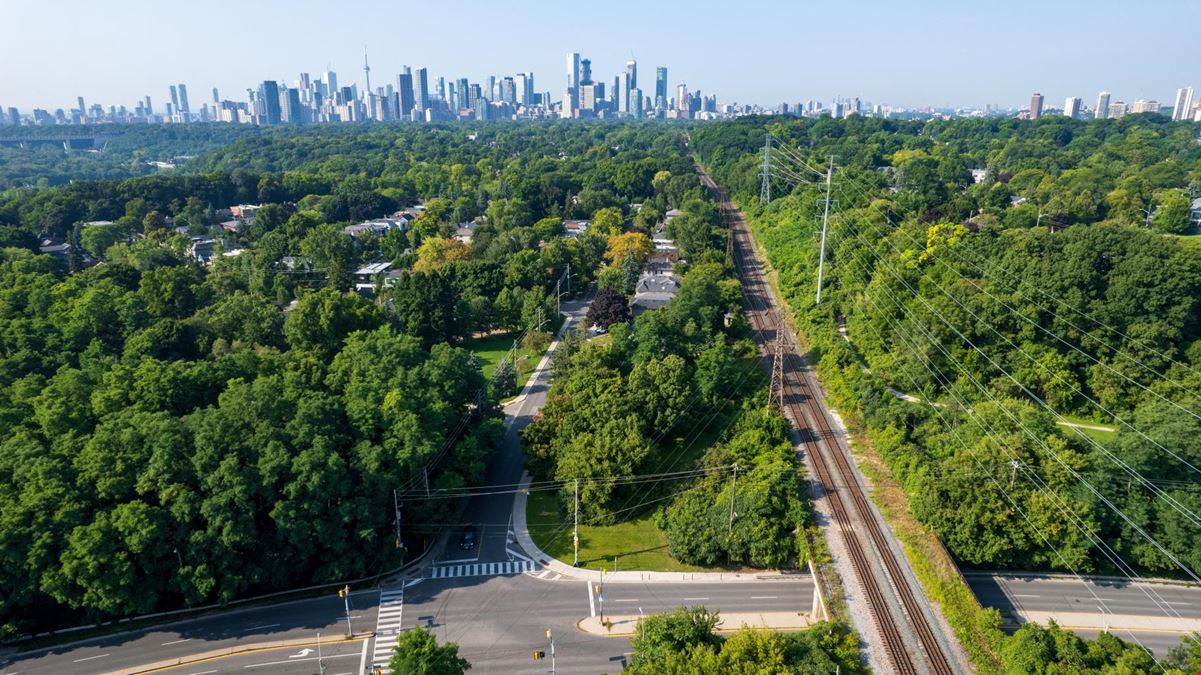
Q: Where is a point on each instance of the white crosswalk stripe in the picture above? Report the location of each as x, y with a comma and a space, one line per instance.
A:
480, 569
387, 627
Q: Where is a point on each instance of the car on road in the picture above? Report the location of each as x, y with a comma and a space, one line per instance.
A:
467, 538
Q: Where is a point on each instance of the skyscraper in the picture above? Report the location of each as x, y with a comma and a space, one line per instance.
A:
174, 97
1036, 106
404, 85
423, 90
585, 71
1184, 104
661, 87
216, 97
1071, 107
83, 110
572, 98
269, 100
1101, 112
331, 81
632, 70
623, 93
463, 92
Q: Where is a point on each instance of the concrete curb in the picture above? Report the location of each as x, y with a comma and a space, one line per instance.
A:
1113, 622
626, 625
232, 651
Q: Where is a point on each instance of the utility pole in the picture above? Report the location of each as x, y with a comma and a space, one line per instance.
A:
600, 596
552, 651
733, 496
821, 258
320, 665
345, 593
765, 187
425, 478
576, 536
396, 506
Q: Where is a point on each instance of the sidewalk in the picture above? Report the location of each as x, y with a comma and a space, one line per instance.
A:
625, 625
1112, 622
542, 558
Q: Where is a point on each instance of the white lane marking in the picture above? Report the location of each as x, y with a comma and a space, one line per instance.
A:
311, 658
363, 658
457, 560
686, 599
515, 554
1179, 603
266, 625
591, 602
764, 597
203, 672
89, 658
557, 577
626, 600
1026, 595
414, 582
175, 642
545, 574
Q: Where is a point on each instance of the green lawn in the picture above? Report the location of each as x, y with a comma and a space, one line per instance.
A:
636, 544
1192, 239
491, 350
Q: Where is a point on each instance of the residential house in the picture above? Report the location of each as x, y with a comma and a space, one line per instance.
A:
464, 231
244, 211
654, 291
1196, 212
574, 228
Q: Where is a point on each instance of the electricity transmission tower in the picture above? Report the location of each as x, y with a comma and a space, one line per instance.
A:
776, 393
765, 188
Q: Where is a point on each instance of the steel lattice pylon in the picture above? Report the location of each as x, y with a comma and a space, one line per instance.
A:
765, 188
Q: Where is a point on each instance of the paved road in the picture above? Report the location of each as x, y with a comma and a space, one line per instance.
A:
499, 621
300, 619
1013, 596
341, 658
492, 513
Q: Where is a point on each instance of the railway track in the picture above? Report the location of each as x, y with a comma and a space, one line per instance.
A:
861, 531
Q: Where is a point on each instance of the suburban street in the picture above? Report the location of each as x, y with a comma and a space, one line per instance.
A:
284, 621
1131, 611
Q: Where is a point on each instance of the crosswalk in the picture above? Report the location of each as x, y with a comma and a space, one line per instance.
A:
481, 569
387, 629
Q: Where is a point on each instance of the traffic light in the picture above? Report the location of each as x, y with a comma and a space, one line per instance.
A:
341, 592
539, 655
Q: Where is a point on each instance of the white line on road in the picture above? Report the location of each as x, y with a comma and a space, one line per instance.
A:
89, 658
764, 597
591, 603
686, 599
626, 600
203, 672
363, 659
266, 625
175, 642
1026, 595
1178, 603
284, 663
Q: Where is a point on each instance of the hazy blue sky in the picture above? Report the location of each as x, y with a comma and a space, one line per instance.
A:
960, 52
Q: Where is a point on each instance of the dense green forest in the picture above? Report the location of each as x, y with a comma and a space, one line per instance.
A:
126, 151
176, 433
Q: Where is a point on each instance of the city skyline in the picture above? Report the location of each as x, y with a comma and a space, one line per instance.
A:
937, 55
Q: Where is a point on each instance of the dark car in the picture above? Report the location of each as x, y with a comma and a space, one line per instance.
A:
467, 538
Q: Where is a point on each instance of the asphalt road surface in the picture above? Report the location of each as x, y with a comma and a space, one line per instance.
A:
500, 621
1013, 595
293, 620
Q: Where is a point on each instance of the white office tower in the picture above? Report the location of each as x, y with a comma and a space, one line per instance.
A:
1184, 104
1102, 110
1071, 107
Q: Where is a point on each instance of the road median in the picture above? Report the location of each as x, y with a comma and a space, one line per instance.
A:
625, 625
233, 651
